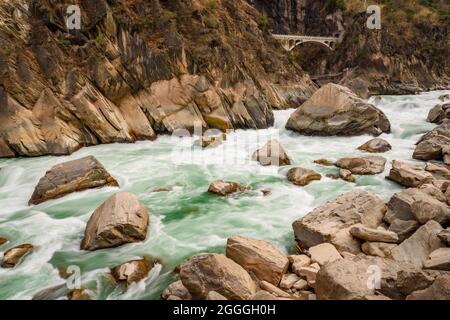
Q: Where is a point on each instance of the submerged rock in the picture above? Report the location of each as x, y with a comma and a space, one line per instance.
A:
119, 220
331, 221
302, 177
13, 256
272, 154
132, 271
258, 257
408, 176
203, 273
72, 176
363, 166
376, 145
223, 188
324, 162
336, 110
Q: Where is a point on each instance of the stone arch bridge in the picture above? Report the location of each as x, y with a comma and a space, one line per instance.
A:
289, 42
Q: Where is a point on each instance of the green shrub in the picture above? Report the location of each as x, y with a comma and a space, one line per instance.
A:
213, 4
264, 24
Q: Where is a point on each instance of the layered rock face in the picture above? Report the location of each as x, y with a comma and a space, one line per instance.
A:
336, 110
135, 70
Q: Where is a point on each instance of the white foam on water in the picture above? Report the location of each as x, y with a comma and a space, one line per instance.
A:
185, 220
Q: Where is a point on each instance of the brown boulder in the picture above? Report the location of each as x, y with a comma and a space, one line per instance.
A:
363, 166
298, 261
373, 235
324, 253
203, 273
119, 220
352, 279
258, 257
13, 256
440, 170
272, 154
347, 175
376, 145
444, 235
404, 228
336, 110
223, 188
416, 249
331, 221
438, 260
439, 113
3, 241
324, 162
378, 249
432, 146
132, 271
72, 176
176, 289
302, 177
439, 290
408, 176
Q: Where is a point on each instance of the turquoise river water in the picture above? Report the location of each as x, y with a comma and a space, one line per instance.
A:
185, 220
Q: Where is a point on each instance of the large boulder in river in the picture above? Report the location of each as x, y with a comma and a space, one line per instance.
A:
258, 257
408, 176
439, 113
203, 273
376, 145
331, 221
364, 165
121, 219
72, 176
435, 144
272, 154
224, 188
336, 110
14, 255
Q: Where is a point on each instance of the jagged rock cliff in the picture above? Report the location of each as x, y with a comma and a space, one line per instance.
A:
135, 69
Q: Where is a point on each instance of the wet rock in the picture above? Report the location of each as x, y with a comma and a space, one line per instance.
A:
332, 176
439, 290
72, 176
438, 260
336, 110
444, 97
13, 257
176, 289
214, 296
223, 188
203, 273
433, 145
272, 154
53, 293
373, 235
347, 175
331, 222
324, 253
79, 295
439, 113
132, 271
324, 162
258, 257
211, 141
408, 176
302, 177
416, 249
349, 279
440, 170
119, 220
404, 228
444, 235
363, 166
401, 206
376, 145
3, 241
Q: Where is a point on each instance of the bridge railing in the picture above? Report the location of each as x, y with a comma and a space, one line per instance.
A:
296, 37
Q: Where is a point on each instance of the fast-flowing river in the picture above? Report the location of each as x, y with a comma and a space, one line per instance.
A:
185, 220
